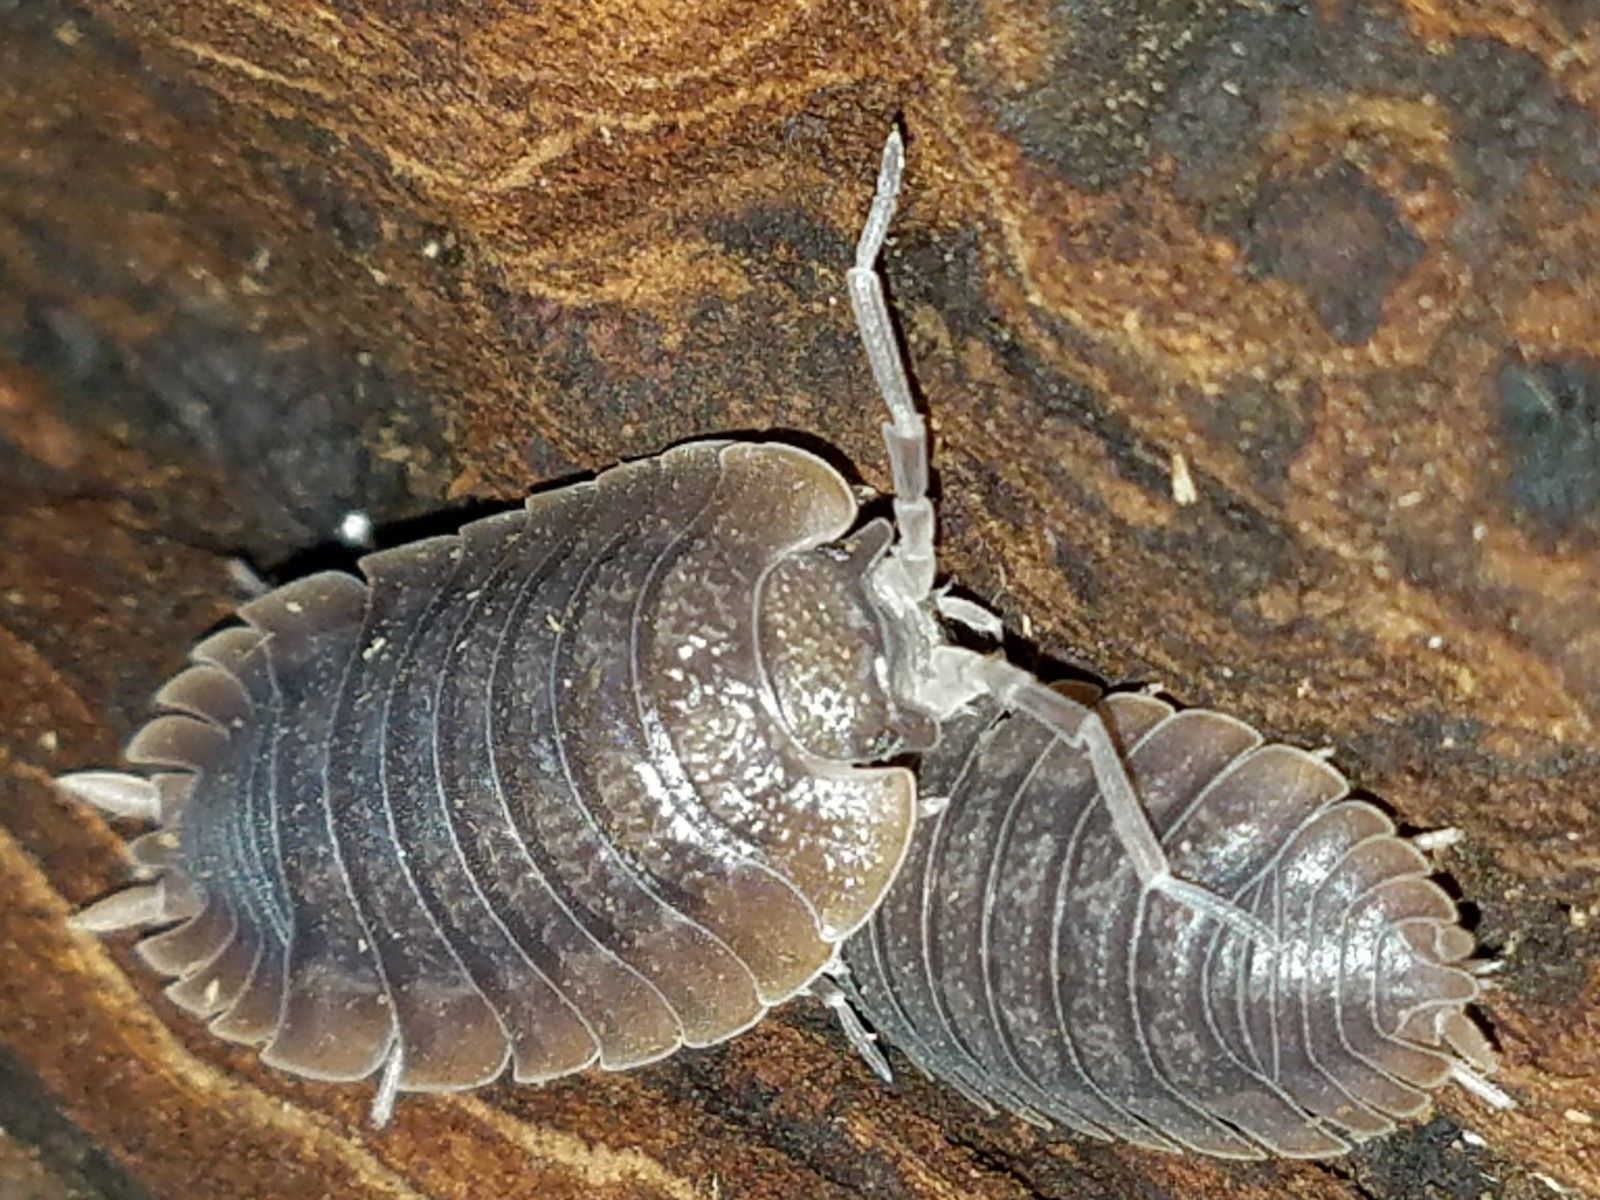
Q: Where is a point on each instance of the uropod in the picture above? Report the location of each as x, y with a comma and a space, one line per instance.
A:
613, 773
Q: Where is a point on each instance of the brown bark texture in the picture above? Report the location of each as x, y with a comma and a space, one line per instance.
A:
1261, 342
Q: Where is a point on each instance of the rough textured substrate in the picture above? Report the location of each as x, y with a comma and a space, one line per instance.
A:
260, 264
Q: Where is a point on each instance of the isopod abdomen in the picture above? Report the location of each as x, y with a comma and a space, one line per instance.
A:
1018, 959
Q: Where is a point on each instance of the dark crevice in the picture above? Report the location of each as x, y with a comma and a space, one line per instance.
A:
30, 1115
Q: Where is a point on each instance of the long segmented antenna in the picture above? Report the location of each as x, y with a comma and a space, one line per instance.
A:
877, 334
905, 436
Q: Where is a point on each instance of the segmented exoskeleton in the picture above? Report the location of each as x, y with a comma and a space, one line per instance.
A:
1017, 957
605, 776
518, 791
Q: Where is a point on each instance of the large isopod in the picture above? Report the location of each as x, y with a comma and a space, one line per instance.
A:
612, 774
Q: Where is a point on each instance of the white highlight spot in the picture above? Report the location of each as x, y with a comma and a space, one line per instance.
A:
355, 529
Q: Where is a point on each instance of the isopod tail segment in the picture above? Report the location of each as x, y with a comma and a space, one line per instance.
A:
169, 896
940, 678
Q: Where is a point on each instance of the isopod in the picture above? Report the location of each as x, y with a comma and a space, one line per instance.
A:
1017, 958
616, 773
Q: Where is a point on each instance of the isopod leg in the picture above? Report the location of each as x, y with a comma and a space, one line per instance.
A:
1079, 725
1468, 1079
247, 582
861, 1040
388, 1088
905, 435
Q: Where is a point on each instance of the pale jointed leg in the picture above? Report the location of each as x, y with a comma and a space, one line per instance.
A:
969, 614
1079, 725
905, 435
388, 1088
862, 1041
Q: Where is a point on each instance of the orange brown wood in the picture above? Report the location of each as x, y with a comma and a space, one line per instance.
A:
1262, 348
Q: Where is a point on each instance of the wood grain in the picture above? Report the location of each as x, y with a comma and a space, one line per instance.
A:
262, 263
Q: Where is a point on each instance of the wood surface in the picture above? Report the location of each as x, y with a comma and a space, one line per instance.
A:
1335, 263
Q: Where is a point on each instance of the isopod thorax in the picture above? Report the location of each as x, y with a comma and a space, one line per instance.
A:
606, 776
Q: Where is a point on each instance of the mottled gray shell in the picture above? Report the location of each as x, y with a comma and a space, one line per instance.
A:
1017, 959
525, 792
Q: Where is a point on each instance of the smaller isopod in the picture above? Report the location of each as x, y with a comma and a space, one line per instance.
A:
1017, 957
614, 774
